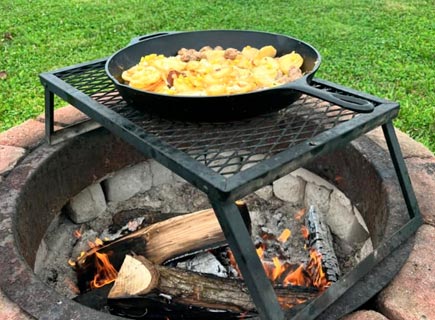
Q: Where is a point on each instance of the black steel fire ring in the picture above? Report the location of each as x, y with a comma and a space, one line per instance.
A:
35, 191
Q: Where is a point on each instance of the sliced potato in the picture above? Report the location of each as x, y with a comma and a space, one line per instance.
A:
290, 60
145, 77
267, 51
250, 52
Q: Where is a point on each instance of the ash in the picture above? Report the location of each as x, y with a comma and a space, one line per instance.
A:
269, 219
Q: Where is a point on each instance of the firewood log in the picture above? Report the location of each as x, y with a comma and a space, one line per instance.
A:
139, 277
320, 239
161, 241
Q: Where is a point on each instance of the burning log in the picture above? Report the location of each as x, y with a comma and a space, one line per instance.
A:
159, 242
320, 239
138, 277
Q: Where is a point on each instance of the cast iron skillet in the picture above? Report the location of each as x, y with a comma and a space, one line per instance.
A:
228, 107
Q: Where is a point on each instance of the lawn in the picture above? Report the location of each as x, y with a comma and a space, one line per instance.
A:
385, 48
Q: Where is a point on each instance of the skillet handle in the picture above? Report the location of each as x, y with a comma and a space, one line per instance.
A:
149, 36
344, 101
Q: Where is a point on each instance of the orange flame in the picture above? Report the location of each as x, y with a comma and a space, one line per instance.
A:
260, 252
308, 275
71, 262
297, 278
278, 268
314, 268
98, 242
105, 274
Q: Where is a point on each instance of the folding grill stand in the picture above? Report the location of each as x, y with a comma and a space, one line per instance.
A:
87, 88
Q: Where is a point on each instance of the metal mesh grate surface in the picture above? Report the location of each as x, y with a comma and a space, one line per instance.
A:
226, 148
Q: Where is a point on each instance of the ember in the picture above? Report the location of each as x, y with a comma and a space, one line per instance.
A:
284, 235
300, 214
77, 234
310, 274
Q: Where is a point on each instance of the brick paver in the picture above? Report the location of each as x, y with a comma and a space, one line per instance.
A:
411, 294
10, 311
27, 134
65, 116
9, 156
410, 148
422, 174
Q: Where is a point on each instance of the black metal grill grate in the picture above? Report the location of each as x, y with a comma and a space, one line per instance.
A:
227, 148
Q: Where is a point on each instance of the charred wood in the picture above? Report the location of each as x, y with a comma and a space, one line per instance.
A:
191, 288
95, 298
320, 239
154, 306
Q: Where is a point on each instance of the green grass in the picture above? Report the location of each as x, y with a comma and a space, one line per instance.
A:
385, 48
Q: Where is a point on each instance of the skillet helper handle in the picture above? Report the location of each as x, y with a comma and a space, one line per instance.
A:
149, 36
348, 102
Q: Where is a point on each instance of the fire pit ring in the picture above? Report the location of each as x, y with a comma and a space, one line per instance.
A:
36, 190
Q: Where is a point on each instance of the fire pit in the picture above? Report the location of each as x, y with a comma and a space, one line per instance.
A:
102, 154
227, 161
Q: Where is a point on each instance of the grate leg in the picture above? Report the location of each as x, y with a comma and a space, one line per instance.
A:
240, 242
401, 171
49, 114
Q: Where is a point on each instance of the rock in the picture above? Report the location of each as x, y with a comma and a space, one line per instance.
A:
87, 205
342, 220
265, 193
411, 293
365, 250
360, 219
176, 198
128, 182
289, 188
317, 196
160, 173
311, 177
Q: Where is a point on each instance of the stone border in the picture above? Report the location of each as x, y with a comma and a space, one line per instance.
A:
409, 296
